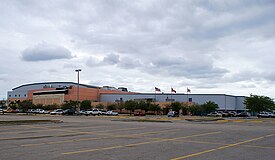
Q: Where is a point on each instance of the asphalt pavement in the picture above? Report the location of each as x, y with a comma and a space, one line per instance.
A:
102, 138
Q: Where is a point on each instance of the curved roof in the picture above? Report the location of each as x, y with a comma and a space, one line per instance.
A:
51, 83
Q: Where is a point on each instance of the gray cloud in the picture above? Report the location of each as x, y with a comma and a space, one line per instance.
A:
111, 59
114, 60
130, 63
183, 67
45, 52
218, 45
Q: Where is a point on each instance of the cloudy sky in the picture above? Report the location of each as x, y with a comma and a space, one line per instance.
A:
214, 46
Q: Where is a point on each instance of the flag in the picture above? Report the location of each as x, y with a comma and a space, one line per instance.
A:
188, 90
172, 90
157, 89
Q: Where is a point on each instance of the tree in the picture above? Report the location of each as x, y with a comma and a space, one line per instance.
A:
111, 107
13, 105
209, 107
38, 106
85, 105
25, 105
130, 105
120, 106
195, 109
51, 107
2, 103
69, 104
99, 106
143, 105
154, 107
258, 104
184, 109
176, 106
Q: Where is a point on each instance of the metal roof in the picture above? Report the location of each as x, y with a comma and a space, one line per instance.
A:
47, 83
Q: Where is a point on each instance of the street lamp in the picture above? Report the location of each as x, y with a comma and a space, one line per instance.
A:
78, 107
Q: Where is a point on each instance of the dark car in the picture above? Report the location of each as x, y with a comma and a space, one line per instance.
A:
229, 114
57, 111
69, 112
244, 114
139, 113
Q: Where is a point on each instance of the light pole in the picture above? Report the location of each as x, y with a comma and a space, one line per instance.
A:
78, 107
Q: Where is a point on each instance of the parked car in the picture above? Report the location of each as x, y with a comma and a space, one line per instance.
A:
46, 112
214, 114
103, 112
40, 111
82, 112
265, 115
111, 113
31, 110
9, 110
173, 114
93, 112
139, 113
243, 114
232, 113
229, 114
68, 112
57, 111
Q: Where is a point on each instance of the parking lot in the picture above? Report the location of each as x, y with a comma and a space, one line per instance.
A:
89, 137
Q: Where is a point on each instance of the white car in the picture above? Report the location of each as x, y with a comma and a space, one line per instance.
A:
111, 113
103, 112
41, 111
265, 115
57, 111
93, 112
214, 114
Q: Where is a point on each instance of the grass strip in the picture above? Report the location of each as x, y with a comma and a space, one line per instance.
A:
141, 120
18, 122
203, 119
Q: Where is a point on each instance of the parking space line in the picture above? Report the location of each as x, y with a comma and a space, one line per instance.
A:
75, 129
63, 135
60, 142
205, 142
43, 129
222, 147
41, 136
201, 142
137, 144
64, 129
110, 135
255, 146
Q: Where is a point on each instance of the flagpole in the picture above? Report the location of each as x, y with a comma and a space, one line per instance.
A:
171, 95
187, 96
155, 95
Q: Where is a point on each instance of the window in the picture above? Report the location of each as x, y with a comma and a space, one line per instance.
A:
19, 95
25, 95
15, 95
9, 95
190, 100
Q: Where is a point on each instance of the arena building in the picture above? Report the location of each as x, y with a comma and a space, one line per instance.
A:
225, 102
58, 92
